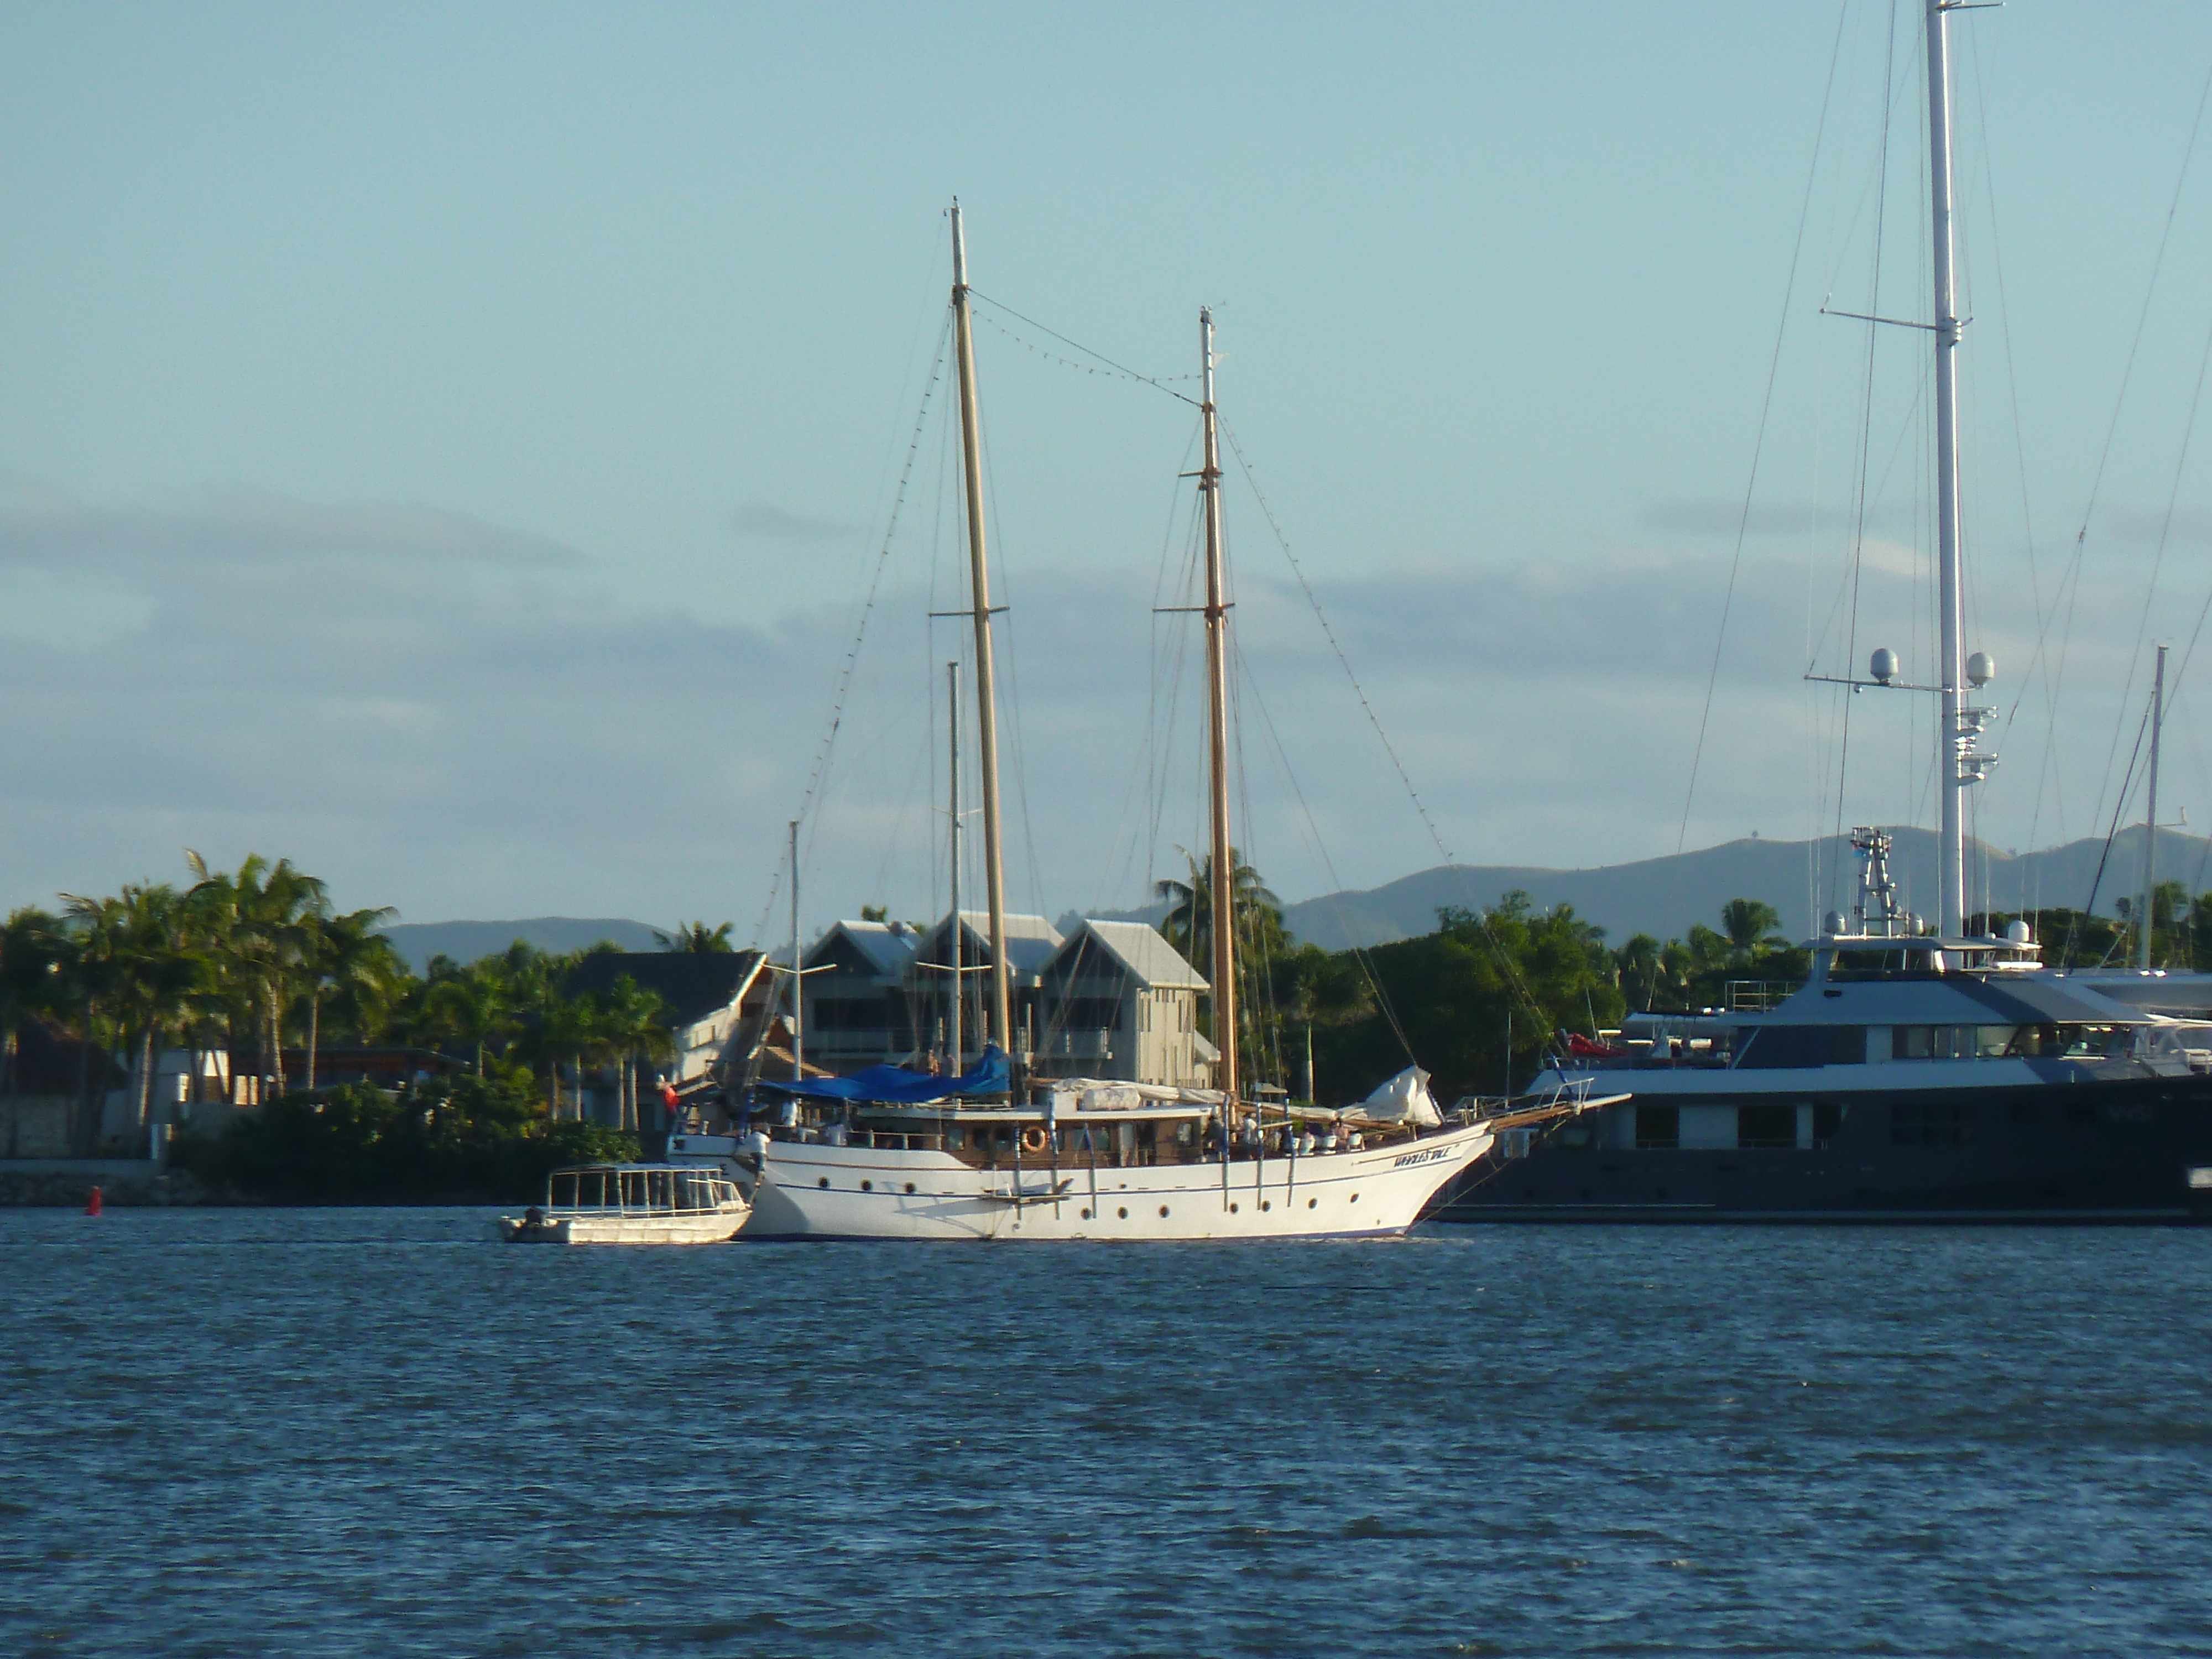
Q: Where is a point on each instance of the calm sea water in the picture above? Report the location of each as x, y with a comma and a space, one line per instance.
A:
378, 1433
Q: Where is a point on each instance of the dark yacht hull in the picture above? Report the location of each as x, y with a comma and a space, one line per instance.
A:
2107, 1151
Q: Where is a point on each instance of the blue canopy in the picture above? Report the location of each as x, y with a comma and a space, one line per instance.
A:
894, 1086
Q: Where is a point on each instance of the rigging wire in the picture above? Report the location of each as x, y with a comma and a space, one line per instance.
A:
1866, 438
2070, 583
1512, 973
1159, 383
1758, 444
846, 669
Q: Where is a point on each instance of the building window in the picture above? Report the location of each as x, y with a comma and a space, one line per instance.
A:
1658, 1127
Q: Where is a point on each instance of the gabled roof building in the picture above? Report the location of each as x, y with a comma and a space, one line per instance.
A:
1117, 1000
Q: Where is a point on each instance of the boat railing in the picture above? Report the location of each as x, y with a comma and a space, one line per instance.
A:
635, 1190
1756, 996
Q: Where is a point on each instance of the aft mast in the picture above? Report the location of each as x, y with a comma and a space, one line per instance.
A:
1000, 1030
1223, 898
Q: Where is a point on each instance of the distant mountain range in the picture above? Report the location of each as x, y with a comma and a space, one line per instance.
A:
1661, 896
464, 941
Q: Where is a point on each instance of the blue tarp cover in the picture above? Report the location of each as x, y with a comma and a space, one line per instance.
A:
894, 1086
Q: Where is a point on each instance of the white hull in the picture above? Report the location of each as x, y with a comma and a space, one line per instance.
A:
814, 1191
702, 1227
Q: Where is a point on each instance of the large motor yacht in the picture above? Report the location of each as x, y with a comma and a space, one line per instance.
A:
1912, 1077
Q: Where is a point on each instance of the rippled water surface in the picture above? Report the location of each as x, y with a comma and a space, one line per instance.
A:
378, 1433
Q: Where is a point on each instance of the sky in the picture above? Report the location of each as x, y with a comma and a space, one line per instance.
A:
455, 448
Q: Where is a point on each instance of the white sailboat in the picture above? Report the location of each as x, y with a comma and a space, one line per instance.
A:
910, 1157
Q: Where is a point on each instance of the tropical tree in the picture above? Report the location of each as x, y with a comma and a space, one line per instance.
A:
469, 1007
264, 916
31, 954
1478, 1002
698, 939
138, 949
346, 955
634, 1021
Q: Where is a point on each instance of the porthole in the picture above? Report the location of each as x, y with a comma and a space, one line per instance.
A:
868, 1186
1086, 1215
1232, 1210
1311, 1202
1164, 1209
1355, 1198
1265, 1205
910, 1186
824, 1182
1124, 1212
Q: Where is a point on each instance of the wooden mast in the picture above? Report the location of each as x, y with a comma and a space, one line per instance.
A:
1000, 1029
1223, 898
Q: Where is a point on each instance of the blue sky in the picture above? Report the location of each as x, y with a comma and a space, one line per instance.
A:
448, 446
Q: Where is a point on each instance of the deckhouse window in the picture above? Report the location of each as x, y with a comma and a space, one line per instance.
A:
1965, 1042
1788, 1046
1658, 1127
1768, 1126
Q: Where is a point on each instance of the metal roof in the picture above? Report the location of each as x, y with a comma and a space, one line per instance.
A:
1031, 941
1140, 951
888, 945
693, 984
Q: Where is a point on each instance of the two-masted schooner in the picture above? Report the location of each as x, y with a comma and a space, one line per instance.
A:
891, 1153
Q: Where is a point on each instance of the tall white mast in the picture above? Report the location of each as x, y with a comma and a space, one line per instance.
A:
1224, 896
1959, 763
987, 705
2150, 815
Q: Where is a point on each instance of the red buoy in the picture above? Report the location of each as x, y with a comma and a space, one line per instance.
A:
92, 1204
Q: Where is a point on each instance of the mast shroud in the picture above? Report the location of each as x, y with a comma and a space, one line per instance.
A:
979, 581
1222, 899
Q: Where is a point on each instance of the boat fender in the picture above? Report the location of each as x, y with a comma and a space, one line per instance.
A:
1033, 1139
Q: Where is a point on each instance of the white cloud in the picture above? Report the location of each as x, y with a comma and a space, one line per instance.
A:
450, 717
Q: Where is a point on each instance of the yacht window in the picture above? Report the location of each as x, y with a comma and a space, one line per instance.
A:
1658, 1127
1791, 1046
1827, 1122
1769, 1125
1929, 1123
1956, 1041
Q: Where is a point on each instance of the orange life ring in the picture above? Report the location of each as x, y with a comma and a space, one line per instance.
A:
1033, 1138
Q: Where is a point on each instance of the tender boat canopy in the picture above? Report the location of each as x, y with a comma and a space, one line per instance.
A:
894, 1086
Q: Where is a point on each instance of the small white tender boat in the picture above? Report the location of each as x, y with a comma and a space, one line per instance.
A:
631, 1204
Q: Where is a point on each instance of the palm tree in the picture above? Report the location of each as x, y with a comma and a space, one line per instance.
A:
1189, 925
1749, 924
140, 945
636, 1023
698, 938
345, 953
30, 974
470, 1007
264, 913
